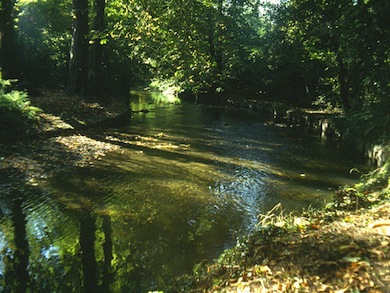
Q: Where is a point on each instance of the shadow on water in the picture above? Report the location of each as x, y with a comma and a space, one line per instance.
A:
156, 234
14, 257
185, 182
45, 248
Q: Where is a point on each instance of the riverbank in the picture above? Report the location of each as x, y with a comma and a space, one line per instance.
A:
311, 119
343, 247
62, 141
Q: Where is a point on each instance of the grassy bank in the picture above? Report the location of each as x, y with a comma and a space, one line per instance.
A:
341, 248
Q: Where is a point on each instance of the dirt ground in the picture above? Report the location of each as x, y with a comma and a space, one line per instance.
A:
325, 252
64, 139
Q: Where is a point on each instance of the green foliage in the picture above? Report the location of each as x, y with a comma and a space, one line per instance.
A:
44, 40
368, 122
165, 86
374, 188
16, 112
350, 199
327, 53
195, 44
333, 54
378, 180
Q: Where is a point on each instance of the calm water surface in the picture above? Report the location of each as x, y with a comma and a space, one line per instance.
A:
185, 183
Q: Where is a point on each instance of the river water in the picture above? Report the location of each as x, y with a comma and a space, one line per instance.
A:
186, 182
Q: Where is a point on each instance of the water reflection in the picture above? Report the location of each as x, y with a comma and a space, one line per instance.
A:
17, 273
87, 248
147, 101
184, 183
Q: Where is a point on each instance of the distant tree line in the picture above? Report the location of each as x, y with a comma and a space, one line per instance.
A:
330, 53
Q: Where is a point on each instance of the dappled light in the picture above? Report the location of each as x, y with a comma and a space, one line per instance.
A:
178, 186
194, 146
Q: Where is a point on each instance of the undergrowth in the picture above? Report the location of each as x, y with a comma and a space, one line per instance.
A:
17, 115
373, 188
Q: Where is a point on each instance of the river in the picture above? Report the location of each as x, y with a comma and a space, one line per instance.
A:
185, 183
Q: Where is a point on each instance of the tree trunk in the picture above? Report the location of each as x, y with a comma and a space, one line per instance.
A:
95, 74
8, 43
344, 87
218, 52
78, 65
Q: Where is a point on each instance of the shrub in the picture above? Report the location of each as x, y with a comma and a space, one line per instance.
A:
17, 116
367, 122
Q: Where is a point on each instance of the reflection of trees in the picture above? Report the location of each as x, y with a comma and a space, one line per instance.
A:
40, 249
55, 263
151, 252
74, 223
107, 251
19, 274
66, 251
15, 263
157, 234
89, 256
87, 246
79, 237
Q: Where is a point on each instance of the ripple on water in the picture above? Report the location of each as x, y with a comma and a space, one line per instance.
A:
182, 184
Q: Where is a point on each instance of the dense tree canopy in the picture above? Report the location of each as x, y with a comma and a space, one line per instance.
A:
330, 53
8, 46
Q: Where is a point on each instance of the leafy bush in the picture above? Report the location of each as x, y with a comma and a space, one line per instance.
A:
16, 113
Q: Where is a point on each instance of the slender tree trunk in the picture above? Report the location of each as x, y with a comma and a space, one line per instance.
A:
344, 87
218, 51
95, 73
214, 44
78, 65
8, 44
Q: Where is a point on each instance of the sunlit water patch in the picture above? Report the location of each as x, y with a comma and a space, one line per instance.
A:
185, 182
